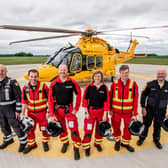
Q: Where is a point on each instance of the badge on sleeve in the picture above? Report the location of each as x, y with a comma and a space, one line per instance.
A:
144, 87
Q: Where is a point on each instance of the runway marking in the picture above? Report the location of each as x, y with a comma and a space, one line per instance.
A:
108, 146
141, 77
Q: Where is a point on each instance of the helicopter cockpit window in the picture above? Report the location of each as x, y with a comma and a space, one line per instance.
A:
60, 57
99, 61
76, 62
91, 62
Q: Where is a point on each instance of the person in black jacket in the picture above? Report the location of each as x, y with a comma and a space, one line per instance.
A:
154, 100
10, 109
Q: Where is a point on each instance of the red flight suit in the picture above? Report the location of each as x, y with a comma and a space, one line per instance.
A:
97, 101
36, 100
61, 96
124, 103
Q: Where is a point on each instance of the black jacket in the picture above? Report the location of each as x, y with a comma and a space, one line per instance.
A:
153, 96
10, 93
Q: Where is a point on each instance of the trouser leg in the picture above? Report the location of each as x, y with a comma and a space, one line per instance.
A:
73, 126
61, 118
126, 134
116, 122
158, 119
147, 121
88, 131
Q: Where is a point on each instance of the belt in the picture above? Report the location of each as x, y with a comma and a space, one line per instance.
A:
7, 103
61, 106
96, 108
37, 111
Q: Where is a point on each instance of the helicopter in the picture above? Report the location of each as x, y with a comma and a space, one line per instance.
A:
89, 54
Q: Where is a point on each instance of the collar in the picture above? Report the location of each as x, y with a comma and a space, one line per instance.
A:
121, 82
60, 81
92, 84
37, 86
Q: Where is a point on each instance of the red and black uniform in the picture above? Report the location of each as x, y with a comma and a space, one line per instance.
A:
97, 101
124, 103
61, 106
36, 99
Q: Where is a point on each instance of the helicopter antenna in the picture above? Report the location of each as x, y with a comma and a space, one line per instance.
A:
131, 37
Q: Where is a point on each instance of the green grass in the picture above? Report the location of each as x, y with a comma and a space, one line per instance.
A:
22, 60
155, 60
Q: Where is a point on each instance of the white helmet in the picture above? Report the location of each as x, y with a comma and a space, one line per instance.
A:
27, 124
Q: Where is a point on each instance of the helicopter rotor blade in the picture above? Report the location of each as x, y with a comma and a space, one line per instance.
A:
38, 29
43, 38
139, 28
125, 35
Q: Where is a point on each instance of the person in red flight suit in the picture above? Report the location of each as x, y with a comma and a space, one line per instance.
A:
96, 105
123, 102
34, 99
61, 108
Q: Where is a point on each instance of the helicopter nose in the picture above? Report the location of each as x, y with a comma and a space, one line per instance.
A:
47, 73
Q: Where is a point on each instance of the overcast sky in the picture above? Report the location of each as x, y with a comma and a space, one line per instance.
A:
79, 15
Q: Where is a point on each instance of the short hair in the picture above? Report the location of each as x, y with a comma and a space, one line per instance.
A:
98, 72
123, 68
33, 71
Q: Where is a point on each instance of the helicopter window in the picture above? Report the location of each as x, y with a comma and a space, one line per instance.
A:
91, 62
76, 62
99, 61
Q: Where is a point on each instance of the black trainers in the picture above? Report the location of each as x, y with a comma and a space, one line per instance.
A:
117, 146
87, 152
98, 147
64, 147
45, 147
128, 147
6, 143
158, 144
22, 147
140, 142
76, 154
29, 148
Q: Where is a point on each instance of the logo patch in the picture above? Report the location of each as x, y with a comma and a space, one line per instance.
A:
101, 91
68, 87
89, 126
71, 124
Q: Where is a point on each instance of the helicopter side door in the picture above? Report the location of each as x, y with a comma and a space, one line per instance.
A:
76, 63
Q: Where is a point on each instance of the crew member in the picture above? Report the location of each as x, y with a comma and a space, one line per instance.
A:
96, 105
124, 102
34, 100
61, 107
10, 109
154, 100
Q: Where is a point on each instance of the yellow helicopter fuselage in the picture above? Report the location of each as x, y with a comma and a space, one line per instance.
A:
91, 53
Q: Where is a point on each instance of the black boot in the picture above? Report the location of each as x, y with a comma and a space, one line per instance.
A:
29, 148
99, 148
45, 147
158, 144
76, 154
87, 152
117, 146
128, 147
140, 142
22, 147
6, 143
64, 147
